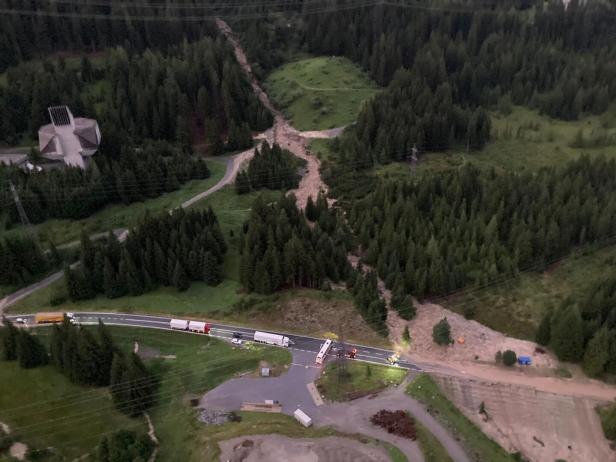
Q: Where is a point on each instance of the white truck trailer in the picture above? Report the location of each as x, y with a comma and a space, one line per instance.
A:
178, 324
302, 418
199, 327
271, 339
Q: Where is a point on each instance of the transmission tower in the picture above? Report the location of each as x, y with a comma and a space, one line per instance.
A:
20, 208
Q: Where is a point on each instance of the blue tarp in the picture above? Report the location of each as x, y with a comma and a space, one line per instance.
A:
525, 360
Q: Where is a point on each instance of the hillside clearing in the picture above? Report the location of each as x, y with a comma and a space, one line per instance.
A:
516, 307
320, 93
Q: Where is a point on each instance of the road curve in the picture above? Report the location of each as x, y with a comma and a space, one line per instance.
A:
225, 331
299, 343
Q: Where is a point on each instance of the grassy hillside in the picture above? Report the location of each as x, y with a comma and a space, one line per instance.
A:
524, 140
73, 419
320, 93
44, 409
516, 306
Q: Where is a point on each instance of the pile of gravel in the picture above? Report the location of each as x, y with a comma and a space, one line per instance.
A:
214, 417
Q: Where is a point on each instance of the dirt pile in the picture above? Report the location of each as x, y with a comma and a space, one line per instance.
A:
214, 417
398, 423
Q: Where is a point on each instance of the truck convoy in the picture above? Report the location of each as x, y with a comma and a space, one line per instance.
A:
271, 339
302, 418
191, 326
53, 317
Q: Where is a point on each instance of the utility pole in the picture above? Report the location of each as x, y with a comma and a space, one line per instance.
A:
22, 215
341, 364
20, 208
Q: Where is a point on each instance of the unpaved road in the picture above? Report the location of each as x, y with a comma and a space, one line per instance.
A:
350, 417
282, 132
233, 167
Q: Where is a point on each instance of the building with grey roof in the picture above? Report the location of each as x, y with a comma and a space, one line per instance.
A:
71, 140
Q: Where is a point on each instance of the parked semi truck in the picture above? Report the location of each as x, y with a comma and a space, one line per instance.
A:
192, 326
178, 324
271, 339
199, 327
53, 317
302, 418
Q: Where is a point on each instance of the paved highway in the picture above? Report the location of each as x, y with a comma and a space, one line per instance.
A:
298, 342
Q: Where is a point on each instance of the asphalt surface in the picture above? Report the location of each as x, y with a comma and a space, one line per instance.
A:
290, 388
298, 342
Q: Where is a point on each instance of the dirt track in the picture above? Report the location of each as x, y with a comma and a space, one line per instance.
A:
282, 132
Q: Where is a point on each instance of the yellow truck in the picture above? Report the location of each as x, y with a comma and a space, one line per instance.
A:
48, 318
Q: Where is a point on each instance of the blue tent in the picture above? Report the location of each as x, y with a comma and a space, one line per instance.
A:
525, 360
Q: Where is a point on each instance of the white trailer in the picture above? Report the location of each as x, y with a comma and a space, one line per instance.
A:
302, 418
324, 351
179, 324
271, 339
199, 327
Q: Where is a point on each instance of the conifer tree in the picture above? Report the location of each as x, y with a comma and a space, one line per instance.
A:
567, 334
30, 351
180, 280
441, 332
542, 336
596, 355
9, 334
107, 350
211, 270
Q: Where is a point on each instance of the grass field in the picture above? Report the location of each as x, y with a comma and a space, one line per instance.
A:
320, 93
200, 300
362, 379
78, 417
521, 141
424, 389
322, 149
431, 448
44, 409
119, 215
516, 307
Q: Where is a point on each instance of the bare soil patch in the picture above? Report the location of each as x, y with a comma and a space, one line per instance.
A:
543, 426
18, 451
472, 340
315, 313
267, 448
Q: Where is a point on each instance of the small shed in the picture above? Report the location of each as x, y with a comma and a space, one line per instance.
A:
265, 372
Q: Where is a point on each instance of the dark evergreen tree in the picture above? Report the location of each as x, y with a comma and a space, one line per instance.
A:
567, 334
180, 279
30, 351
9, 335
211, 270
441, 332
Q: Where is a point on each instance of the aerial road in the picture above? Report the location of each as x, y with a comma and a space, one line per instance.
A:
297, 342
